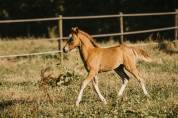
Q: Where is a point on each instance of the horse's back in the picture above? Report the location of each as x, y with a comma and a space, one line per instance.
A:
110, 58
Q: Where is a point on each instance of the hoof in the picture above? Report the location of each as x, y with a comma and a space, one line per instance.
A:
148, 96
105, 102
77, 104
120, 97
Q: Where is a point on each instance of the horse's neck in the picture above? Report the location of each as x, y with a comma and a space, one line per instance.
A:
85, 48
83, 53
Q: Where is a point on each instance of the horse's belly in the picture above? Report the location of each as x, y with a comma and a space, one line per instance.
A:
107, 66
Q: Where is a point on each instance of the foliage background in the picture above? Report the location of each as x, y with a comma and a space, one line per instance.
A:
24, 9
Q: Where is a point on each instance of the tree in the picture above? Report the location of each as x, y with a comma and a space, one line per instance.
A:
11, 9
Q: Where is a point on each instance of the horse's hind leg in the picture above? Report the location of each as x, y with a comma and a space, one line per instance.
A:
133, 70
124, 77
95, 85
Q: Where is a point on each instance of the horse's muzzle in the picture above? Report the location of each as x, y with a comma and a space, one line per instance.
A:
65, 49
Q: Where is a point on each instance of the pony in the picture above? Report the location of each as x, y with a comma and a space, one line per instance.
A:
97, 59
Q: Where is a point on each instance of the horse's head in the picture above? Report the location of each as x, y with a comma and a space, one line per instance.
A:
73, 41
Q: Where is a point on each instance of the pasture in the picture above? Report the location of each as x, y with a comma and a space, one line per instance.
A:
22, 93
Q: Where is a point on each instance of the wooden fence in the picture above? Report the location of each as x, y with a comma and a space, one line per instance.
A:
121, 33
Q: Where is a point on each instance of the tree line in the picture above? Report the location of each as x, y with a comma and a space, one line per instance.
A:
24, 9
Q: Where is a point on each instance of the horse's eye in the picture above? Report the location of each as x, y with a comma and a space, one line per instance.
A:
70, 39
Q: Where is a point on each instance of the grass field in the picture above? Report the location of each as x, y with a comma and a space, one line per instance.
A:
23, 95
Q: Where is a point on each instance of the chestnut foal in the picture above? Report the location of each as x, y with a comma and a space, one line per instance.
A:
97, 59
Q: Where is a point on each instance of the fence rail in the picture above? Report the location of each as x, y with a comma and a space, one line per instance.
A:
61, 18
85, 17
30, 54
118, 34
28, 20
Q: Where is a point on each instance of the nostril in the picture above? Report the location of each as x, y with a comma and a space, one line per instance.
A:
65, 49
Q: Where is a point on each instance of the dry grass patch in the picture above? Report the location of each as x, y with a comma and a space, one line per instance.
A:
21, 95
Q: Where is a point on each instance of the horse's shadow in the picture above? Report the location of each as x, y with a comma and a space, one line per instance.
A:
7, 103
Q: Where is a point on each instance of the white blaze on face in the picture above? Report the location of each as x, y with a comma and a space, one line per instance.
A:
70, 36
66, 48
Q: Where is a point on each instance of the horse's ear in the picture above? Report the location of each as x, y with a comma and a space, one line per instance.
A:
72, 29
75, 30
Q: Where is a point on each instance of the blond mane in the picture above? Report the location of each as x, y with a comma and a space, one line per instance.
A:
90, 38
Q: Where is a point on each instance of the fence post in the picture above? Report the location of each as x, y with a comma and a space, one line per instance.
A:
176, 24
60, 28
121, 27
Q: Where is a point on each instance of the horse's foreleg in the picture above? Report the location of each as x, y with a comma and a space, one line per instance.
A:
84, 84
95, 85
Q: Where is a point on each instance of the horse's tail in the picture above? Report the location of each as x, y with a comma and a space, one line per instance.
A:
141, 54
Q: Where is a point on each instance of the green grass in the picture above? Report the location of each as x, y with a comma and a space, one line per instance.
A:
22, 96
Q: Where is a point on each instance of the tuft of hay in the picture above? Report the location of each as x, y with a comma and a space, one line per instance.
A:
167, 47
49, 78
176, 44
46, 75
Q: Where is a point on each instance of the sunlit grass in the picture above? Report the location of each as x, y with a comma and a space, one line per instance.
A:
21, 95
